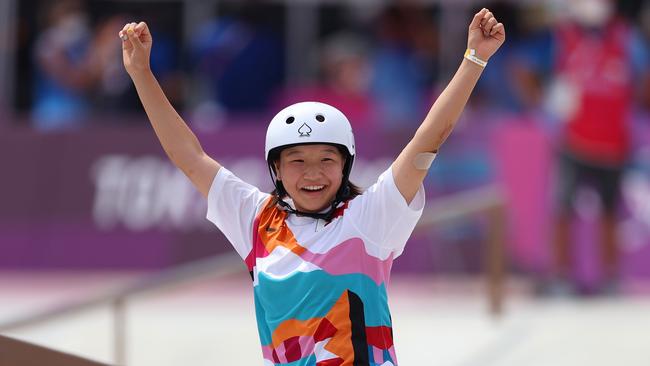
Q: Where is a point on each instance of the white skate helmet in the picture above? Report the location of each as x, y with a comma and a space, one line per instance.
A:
310, 123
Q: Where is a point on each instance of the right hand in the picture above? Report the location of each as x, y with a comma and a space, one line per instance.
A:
136, 48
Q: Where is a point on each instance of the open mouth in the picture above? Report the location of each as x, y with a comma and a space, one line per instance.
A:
314, 188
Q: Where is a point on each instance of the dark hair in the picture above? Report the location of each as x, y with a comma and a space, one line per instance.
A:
348, 192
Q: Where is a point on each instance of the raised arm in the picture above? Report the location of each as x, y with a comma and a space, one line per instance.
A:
485, 36
178, 141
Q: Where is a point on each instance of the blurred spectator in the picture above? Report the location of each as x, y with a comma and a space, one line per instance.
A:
596, 58
69, 60
166, 57
528, 44
112, 80
113, 95
405, 64
240, 61
534, 49
644, 18
344, 81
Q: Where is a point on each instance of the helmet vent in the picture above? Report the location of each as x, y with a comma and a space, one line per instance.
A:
290, 120
320, 118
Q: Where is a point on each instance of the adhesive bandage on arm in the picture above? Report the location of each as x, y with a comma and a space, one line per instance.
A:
424, 160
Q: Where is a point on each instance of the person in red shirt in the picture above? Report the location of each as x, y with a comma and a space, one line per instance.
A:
593, 68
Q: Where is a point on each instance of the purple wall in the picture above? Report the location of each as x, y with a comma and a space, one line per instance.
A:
109, 198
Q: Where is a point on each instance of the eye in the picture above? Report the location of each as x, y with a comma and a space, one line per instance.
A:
320, 118
297, 161
290, 120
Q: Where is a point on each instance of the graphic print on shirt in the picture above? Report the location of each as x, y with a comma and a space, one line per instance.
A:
325, 308
318, 284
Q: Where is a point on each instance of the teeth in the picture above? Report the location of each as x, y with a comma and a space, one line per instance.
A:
313, 188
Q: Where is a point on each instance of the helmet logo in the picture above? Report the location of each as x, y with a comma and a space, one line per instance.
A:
304, 130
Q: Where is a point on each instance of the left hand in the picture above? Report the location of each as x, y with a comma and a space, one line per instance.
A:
485, 34
136, 48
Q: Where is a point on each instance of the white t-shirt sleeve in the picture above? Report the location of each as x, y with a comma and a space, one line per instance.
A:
232, 207
382, 215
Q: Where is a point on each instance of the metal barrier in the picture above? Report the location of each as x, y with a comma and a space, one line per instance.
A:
211, 267
489, 202
486, 201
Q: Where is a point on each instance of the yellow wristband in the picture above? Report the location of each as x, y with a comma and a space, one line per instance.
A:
470, 54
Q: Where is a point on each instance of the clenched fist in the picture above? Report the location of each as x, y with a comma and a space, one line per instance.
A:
485, 34
136, 48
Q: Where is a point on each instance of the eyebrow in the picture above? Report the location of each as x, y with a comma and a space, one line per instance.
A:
332, 150
292, 152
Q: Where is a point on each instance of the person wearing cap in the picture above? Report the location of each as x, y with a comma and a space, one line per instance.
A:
319, 250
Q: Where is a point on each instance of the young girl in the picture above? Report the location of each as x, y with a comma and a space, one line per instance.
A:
318, 250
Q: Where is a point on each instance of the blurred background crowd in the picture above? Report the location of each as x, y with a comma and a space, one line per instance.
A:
227, 62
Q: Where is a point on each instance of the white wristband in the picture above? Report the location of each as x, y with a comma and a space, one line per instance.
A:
470, 54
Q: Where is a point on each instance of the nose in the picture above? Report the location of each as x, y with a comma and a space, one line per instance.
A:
312, 172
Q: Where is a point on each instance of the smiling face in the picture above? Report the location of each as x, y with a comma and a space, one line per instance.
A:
311, 175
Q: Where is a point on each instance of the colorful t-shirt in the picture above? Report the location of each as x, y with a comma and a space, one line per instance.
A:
319, 289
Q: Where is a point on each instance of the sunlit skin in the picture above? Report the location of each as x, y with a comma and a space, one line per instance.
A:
319, 167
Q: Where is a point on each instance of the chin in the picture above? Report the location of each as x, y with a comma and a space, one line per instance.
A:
313, 206
314, 209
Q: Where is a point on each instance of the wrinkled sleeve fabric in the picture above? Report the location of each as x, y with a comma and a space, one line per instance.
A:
382, 215
232, 206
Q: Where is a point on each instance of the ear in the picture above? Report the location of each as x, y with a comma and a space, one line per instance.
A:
276, 165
